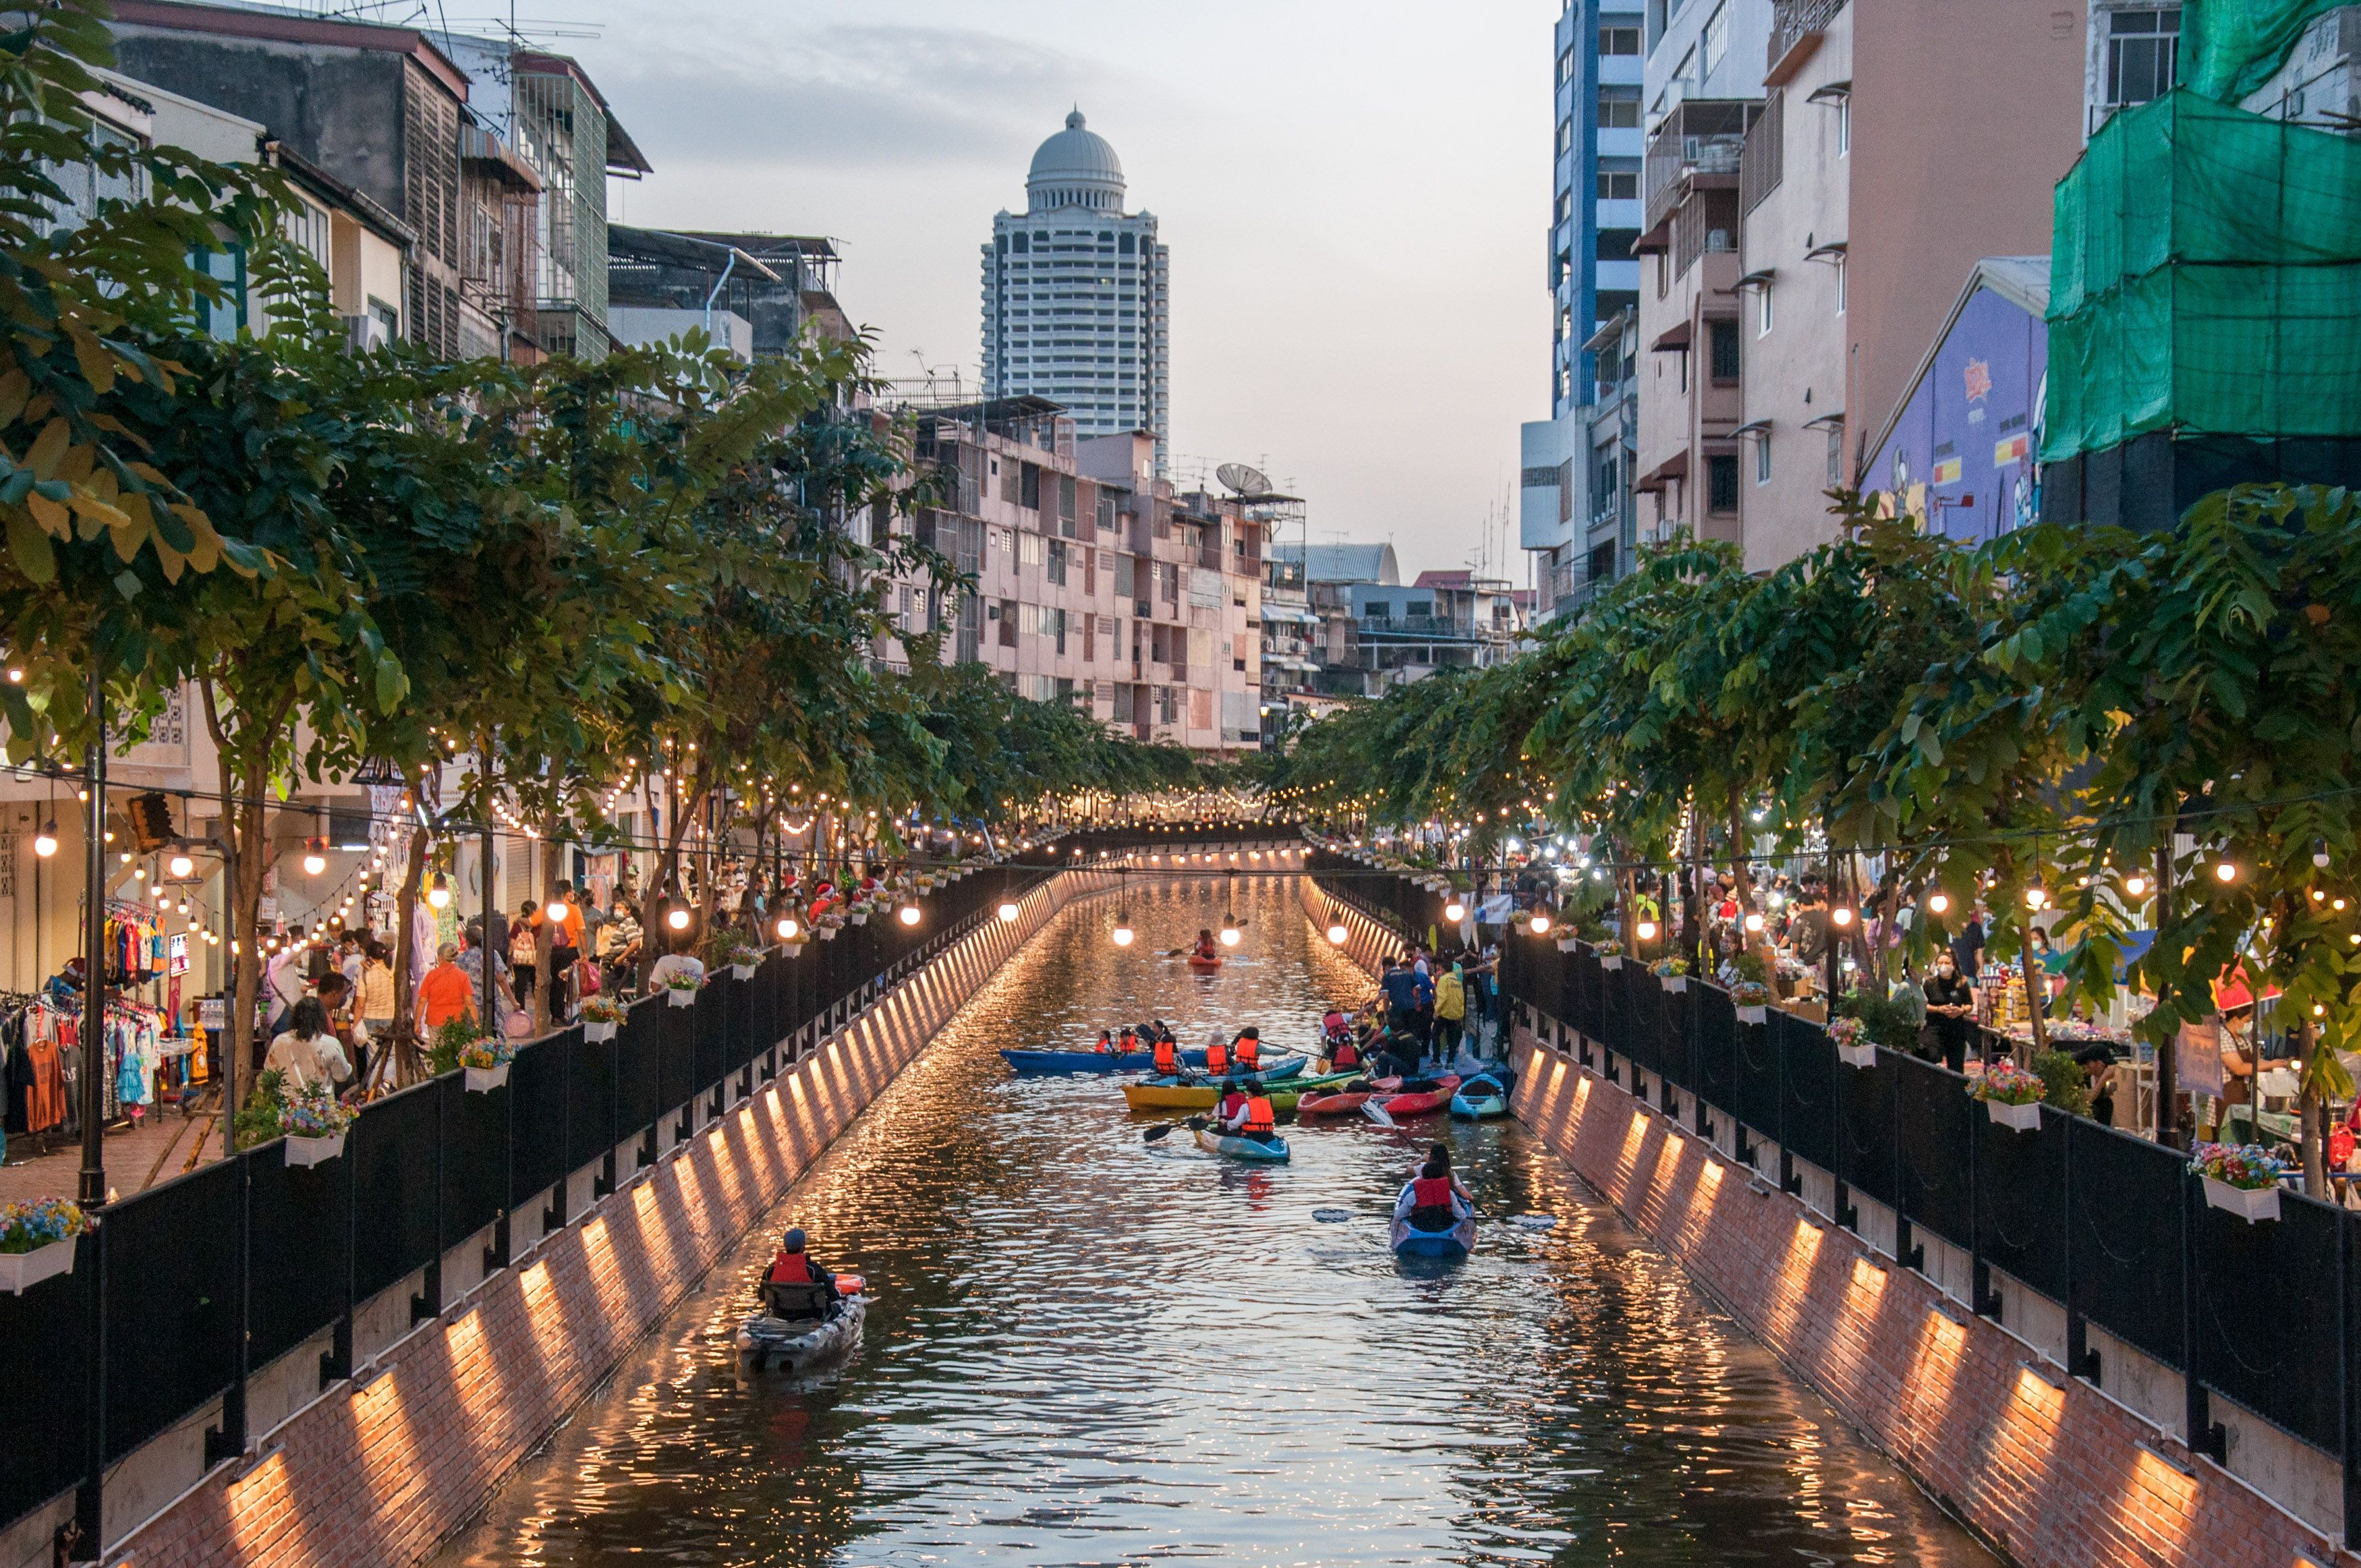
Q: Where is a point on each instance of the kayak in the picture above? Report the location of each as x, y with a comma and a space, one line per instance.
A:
1244, 1148
767, 1341
1202, 964
1344, 1102
1166, 1094
1424, 1100
1028, 1062
1456, 1241
1479, 1097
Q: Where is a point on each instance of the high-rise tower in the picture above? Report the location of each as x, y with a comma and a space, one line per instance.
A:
1075, 295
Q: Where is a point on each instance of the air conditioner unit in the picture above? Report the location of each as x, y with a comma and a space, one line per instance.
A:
364, 332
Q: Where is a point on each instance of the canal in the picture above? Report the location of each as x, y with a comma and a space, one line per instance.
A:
1086, 1349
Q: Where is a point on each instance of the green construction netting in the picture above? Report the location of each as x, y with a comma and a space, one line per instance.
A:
2205, 276
2229, 47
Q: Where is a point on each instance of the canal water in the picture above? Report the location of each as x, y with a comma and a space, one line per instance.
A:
1088, 1349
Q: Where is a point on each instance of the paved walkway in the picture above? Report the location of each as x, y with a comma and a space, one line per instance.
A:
129, 1153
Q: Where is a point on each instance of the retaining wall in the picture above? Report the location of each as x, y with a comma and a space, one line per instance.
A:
380, 1467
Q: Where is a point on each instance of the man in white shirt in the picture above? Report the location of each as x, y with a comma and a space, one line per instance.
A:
660, 973
287, 986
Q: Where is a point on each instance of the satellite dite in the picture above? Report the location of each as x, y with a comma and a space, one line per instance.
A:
1242, 479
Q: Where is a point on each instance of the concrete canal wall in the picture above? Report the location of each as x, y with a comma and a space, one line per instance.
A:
2055, 1471
379, 1467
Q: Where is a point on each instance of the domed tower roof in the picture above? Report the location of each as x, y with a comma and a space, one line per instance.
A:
1075, 168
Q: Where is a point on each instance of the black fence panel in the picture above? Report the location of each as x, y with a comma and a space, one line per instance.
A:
592, 1097
2267, 1313
1935, 1120
2123, 1230
1713, 1045
537, 1082
47, 1331
676, 1032
1807, 1082
639, 1068
2021, 1199
1672, 1053
300, 1247
475, 1155
1614, 1025
738, 997
712, 1015
170, 1301
1589, 994
393, 1151
1758, 1078
1865, 1128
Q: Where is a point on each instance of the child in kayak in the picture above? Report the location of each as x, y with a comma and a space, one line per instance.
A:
794, 1266
1245, 1115
1433, 1200
1206, 947
1247, 1048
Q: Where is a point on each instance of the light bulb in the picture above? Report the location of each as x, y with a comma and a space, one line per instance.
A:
910, 915
1123, 931
1337, 933
1007, 913
180, 865
555, 909
2035, 896
2227, 870
677, 919
1540, 923
439, 895
2135, 884
45, 842
314, 862
1753, 921
1937, 902
1230, 936
787, 929
1454, 911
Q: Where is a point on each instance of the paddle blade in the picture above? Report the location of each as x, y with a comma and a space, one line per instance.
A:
1533, 1222
1376, 1112
1153, 1134
1331, 1216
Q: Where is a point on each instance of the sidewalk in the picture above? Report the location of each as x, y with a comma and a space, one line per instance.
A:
128, 1154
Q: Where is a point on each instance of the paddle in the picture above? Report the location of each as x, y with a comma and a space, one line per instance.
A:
1194, 1123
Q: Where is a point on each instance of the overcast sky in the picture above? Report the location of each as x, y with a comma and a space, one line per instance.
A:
1355, 197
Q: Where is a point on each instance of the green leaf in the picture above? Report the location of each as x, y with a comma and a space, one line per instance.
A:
31, 547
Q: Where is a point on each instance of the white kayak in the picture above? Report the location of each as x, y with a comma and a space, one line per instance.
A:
768, 1341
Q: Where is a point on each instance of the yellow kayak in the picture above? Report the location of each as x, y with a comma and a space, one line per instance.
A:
1165, 1096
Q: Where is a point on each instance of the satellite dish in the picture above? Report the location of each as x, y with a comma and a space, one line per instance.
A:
1246, 481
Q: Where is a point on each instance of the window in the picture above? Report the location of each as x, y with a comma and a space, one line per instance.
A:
1721, 482
1762, 312
1841, 285
1615, 244
1056, 561
1618, 184
1028, 549
1836, 454
1763, 458
2143, 48
1564, 207
1844, 125
1619, 108
1716, 43
1723, 336
1564, 137
1566, 65
1620, 40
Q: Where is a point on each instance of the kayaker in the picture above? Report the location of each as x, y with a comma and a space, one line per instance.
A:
1432, 1199
1217, 1057
793, 1266
1232, 1110
1168, 1057
1206, 947
1247, 1116
1106, 1042
1344, 1053
1127, 1041
1247, 1048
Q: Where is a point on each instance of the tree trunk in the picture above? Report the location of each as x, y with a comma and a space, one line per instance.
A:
2315, 1137
546, 936
409, 1063
1739, 846
2037, 988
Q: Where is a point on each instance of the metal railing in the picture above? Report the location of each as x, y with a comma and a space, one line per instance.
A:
2112, 1228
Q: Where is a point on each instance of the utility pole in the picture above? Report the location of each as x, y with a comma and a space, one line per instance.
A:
92, 1189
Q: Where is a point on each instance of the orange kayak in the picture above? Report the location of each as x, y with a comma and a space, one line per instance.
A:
1342, 1104
1421, 1101
1202, 964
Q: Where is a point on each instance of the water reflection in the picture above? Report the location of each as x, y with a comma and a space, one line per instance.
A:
1090, 1350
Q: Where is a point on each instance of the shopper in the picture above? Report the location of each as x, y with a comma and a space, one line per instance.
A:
307, 1056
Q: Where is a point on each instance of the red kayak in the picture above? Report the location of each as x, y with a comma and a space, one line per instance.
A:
1202, 964
1419, 1102
1345, 1104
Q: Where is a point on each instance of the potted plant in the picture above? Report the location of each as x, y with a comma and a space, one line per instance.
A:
601, 1017
829, 923
1610, 954
2012, 1095
314, 1122
2241, 1177
732, 948
1674, 972
860, 910
1753, 1000
37, 1240
485, 1063
1854, 1048
680, 989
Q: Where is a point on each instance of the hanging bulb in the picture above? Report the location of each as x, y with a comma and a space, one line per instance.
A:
2035, 896
787, 928
1937, 902
1230, 932
677, 919
45, 842
2319, 853
439, 896
1007, 913
2226, 871
180, 865
909, 915
1337, 933
1540, 923
314, 860
1646, 930
1123, 932
2135, 884
1754, 920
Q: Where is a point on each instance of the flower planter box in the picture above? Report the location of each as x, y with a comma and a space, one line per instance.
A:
484, 1079
828, 932
312, 1151
1568, 944
861, 918
2252, 1204
793, 949
19, 1269
1610, 960
1862, 1054
1754, 1014
598, 1033
681, 997
1675, 982
2022, 1118
745, 971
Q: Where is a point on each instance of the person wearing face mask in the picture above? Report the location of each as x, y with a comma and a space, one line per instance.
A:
1950, 1010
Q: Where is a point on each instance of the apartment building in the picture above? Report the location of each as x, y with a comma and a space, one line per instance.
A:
754, 294
1096, 583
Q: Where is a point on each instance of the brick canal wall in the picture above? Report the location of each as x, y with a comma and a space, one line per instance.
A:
380, 1467
2047, 1468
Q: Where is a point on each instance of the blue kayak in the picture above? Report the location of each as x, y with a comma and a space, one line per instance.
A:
1243, 1148
1479, 1097
1456, 1241
1092, 1061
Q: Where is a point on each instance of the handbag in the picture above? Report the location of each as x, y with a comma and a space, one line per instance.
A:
586, 978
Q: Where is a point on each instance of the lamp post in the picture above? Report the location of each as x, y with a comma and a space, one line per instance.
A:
92, 1188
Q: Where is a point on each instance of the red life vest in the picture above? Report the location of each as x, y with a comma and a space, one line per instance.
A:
1431, 1192
1346, 1054
1217, 1058
1258, 1114
1249, 1053
1231, 1104
791, 1269
1168, 1061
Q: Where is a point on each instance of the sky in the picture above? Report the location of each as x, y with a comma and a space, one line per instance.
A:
1355, 197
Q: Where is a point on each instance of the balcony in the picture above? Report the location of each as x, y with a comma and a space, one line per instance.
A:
1795, 29
1698, 147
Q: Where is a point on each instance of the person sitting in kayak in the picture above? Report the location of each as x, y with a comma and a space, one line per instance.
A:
1433, 1201
1245, 1115
1217, 1057
1168, 1057
1247, 1047
1129, 1041
1106, 1043
795, 1287
1206, 947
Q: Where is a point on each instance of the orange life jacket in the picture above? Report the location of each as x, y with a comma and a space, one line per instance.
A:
1168, 1061
1217, 1058
1258, 1114
1249, 1053
791, 1269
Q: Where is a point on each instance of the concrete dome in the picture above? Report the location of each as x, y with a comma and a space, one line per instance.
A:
1075, 168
